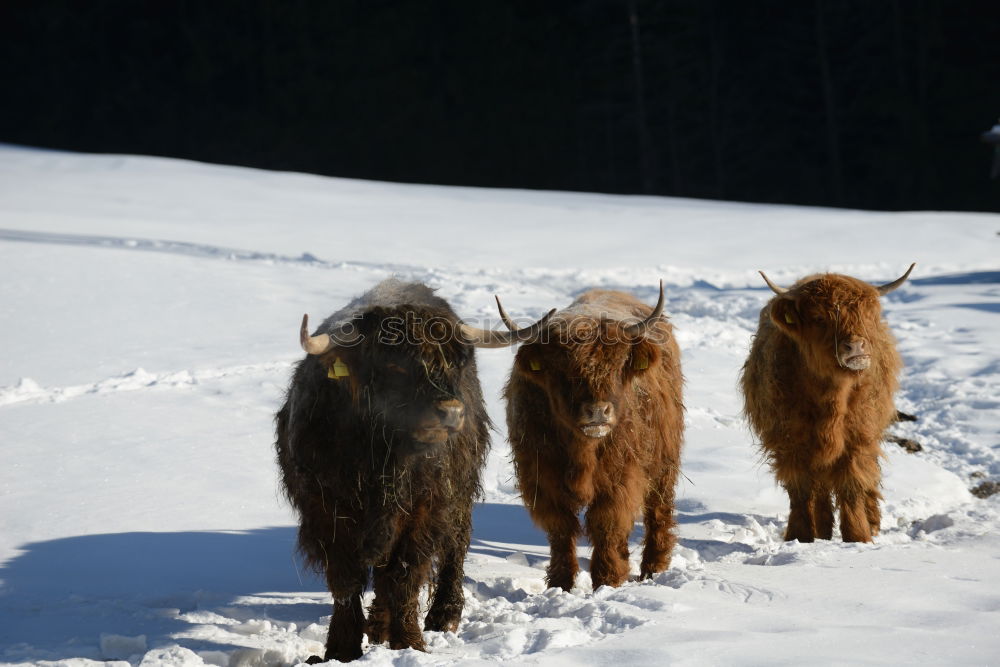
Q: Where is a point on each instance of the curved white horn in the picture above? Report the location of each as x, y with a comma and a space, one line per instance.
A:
313, 344
489, 338
323, 342
639, 328
888, 287
780, 291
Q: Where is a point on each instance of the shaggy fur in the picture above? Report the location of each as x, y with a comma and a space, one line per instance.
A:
374, 501
820, 424
560, 470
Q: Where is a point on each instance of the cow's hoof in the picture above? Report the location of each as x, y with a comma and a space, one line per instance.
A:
441, 623
339, 656
414, 640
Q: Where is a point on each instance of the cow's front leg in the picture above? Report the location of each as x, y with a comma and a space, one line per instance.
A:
856, 487
821, 506
346, 578
854, 526
658, 516
872, 499
449, 598
608, 525
406, 571
552, 511
343, 641
800, 518
563, 566
377, 625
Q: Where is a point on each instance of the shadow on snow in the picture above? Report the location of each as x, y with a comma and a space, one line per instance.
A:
62, 594
58, 597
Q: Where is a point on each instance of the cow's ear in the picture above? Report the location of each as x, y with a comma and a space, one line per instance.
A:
785, 315
343, 370
643, 356
339, 363
529, 363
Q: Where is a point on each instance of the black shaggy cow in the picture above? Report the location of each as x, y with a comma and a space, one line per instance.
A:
380, 442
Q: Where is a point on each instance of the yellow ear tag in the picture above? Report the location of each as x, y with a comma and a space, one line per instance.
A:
535, 365
789, 319
338, 370
640, 363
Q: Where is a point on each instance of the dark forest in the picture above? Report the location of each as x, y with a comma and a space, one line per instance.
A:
857, 103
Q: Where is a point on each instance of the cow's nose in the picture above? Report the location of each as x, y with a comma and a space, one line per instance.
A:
854, 348
451, 413
598, 412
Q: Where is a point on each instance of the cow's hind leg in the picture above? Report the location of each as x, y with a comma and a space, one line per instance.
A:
658, 517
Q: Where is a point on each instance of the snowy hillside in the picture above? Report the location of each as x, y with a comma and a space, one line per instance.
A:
150, 314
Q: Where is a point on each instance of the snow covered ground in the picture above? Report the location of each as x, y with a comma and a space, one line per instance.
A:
150, 310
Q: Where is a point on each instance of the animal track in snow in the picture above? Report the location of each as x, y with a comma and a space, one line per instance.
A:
29, 391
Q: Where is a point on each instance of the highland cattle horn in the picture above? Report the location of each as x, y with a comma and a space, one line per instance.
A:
888, 287
780, 291
489, 338
639, 328
323, 342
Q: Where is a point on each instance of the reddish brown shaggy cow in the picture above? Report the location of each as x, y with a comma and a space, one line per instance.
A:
817, 390
595, 419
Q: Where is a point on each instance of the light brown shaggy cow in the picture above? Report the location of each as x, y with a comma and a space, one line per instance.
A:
817, 391
595, 419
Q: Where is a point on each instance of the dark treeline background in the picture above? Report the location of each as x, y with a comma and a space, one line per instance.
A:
861, 103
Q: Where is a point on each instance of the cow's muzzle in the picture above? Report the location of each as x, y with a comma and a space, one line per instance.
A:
854, 355
858, 363
597, 419
446, 418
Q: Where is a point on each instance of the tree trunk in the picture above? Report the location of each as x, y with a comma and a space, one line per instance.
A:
647, 169
829, 102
